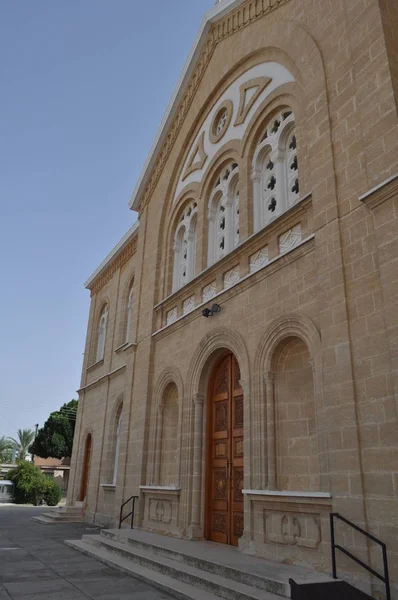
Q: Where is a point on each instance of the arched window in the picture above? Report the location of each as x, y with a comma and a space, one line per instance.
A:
117, 444
129, 309
102, 327
275, 170
185, 247
223, 214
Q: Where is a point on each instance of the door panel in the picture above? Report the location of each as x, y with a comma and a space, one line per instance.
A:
225, 458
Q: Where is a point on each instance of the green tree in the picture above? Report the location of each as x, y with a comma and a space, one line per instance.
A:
24, 439
29, 483
5, 449
55, 438
31, 486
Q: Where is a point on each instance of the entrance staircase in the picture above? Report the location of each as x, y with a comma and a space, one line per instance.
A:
62, 514
194, 570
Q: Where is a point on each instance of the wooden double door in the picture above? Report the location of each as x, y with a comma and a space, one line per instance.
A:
224, 482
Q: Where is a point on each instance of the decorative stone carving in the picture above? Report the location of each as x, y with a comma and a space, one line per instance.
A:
188, 305
290, 239
171, 316
198, 158
160, 511
231, 278
259, 259
250, 91
293, 529
209, 291
221, 121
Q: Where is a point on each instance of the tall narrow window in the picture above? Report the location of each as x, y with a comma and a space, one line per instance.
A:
102, 327
275, 170
117, 446
129, 310
223, 214
185, 247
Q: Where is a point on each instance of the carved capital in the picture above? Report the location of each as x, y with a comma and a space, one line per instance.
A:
256, 175
277, 155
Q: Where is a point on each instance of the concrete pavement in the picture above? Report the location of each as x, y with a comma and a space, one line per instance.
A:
36, 565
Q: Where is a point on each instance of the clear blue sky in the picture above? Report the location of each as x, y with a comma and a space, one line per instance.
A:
83, 87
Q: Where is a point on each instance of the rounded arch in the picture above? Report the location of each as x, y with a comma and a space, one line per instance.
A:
281, 336
208, 351
117, 408
292, 325
169, 375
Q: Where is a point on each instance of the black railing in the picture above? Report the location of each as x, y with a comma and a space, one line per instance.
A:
131, 514
384, 578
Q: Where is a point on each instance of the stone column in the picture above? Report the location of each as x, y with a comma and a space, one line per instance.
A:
271, 451
195, 529
278, 157
158, 444
211, 241
257, 200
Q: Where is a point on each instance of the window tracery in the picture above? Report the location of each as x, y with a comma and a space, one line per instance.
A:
275, 170
185, 247
223, 215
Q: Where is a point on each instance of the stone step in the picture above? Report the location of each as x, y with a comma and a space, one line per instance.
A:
58, 515
194, 577
166, 584
225, 561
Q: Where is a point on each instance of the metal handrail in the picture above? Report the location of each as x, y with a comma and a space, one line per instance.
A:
385, 579
131, 514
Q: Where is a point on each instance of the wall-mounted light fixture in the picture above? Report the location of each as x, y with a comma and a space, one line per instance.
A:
209, 312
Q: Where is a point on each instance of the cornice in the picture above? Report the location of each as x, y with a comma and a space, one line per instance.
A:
224, 20
386, 190
126, 247
106, 377
116, 264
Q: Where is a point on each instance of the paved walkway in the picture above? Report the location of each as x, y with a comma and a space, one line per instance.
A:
36, 565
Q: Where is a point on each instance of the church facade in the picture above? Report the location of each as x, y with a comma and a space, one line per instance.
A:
241, 365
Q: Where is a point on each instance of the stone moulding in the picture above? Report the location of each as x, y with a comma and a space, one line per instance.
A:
98, 381
270, 267
103, 279
235, 21
287, 494
387, 190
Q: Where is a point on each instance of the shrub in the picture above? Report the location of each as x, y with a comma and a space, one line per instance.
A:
52, 492
29, 483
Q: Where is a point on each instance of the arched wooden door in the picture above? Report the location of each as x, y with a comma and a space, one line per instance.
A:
224, 510
86, 468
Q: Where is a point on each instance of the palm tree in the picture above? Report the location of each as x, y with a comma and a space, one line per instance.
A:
5, 446
25, 437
